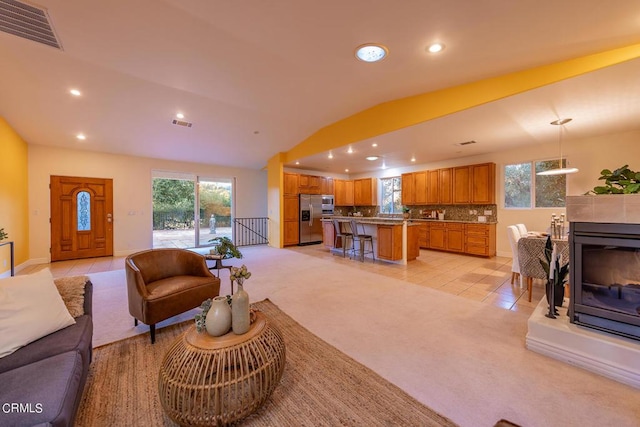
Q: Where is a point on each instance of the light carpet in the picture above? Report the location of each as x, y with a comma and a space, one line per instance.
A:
320, 386
464, 359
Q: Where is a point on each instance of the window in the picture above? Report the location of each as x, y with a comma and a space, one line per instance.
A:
524, 189
391, 195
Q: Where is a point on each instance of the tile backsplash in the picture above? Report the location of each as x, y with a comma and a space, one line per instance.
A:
452, 212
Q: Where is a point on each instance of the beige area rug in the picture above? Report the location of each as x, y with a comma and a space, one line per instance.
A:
321, 386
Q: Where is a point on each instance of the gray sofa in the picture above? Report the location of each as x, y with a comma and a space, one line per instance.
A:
42, 382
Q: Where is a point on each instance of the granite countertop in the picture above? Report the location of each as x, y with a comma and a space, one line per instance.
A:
411, 221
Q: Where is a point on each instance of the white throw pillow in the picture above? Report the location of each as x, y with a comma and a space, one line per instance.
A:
30, 308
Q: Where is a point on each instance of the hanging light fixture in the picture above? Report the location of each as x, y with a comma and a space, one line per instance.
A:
559, 170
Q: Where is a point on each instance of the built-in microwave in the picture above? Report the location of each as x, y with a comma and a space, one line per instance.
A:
327, 204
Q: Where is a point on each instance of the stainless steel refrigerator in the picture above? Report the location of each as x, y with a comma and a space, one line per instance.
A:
310, 219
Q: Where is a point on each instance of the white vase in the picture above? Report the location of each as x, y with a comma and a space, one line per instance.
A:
240, 311
218, 321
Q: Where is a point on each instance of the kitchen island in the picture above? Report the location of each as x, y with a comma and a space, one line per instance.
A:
394, 239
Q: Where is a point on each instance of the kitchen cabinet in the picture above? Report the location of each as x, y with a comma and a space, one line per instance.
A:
433, 187
483, 183
309, 184
423, 235
291, 233
343, 192
291, 215
291, 183
326, 185
445, 186
365, 192
329, 234
446, 236
390, 242
480, 239
420, 188
407, 189
462, 185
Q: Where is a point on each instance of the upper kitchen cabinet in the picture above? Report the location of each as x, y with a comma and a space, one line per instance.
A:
310, 184
433, 187
291, 183
420, 187
483, 183
365, 192
408, 192
327, 185
445, 186
462, 184
343, 192
474, 184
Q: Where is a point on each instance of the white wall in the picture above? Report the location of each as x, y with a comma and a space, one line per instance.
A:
132, 192
589, 155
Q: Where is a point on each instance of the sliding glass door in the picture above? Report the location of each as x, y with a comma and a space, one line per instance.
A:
189, 211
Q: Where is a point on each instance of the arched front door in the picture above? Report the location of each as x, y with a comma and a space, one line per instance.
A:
81, 217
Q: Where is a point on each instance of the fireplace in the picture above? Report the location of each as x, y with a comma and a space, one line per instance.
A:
605, 277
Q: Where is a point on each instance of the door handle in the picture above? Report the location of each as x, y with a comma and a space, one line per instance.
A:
108, 217
311, 215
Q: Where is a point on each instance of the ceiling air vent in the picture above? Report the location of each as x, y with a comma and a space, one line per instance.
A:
27, 21
181, 123
466, 143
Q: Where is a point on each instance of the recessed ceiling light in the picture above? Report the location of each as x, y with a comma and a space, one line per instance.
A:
371, 52
75, 92
435, 48
384, 166
346, 170
180, 116
81, 137
372, 158
350, 150
330, 155
297, 163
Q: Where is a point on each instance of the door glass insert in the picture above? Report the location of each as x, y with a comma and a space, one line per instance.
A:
83, 205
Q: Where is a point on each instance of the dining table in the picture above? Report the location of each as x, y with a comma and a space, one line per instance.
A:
531, 252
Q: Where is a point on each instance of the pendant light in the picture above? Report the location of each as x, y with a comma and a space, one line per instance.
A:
559, 170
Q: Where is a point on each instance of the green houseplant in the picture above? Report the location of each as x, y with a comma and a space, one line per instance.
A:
621, 181
3, 235
225, 247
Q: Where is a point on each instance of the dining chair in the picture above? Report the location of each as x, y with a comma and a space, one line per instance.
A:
514, 235
522, 229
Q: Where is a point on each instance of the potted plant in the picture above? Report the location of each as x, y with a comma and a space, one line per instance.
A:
621, 181
406, 212
225, 247
556, 277
3, 235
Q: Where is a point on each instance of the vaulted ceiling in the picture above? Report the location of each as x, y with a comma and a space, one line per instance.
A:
257, 77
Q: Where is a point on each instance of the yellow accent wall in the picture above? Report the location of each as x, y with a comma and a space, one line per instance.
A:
14, 198
275, 200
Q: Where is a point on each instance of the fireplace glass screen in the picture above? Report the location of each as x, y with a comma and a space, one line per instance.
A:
605, 277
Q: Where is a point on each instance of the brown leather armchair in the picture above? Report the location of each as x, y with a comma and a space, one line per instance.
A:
162, 283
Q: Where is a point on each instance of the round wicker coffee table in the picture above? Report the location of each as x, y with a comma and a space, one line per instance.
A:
210, 381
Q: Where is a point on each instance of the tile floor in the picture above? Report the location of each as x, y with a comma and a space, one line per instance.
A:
482, 279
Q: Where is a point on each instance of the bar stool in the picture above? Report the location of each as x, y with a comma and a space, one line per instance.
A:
343, 235
362, 239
